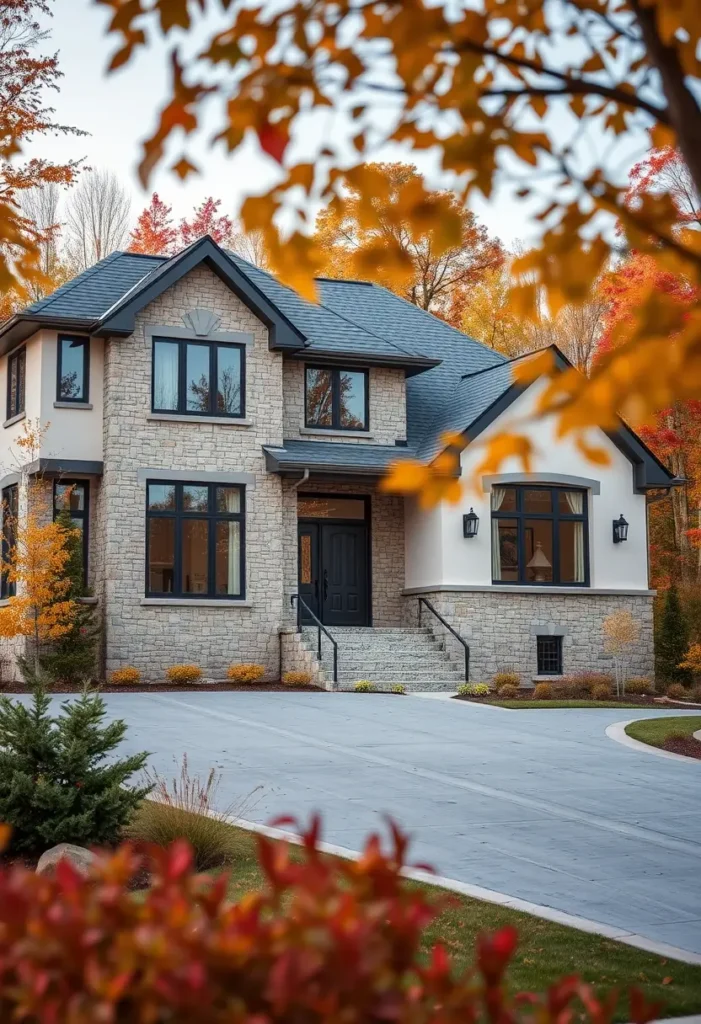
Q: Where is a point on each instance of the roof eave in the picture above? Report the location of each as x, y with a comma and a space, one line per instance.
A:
412, 364
22, 326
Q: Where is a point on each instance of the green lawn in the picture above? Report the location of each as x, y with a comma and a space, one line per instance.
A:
546, 952
656, 730
526, 705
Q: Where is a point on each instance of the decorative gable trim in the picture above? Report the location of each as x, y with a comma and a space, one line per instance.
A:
121, 319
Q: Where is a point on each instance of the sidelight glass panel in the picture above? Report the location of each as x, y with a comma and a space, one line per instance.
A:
161, 555
505, 550
538, 550
72, 355
195, 499
165, 375
197, 378
161, 497
352, 400
194, 549
319, 397
228, 558
229, 380
305, 558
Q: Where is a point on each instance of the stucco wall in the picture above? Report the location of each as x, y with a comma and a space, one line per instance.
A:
438, 555
387, 394
152, 637
72, 433
9, 454
386, 541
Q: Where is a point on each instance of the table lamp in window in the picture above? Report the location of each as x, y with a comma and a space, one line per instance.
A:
539, 563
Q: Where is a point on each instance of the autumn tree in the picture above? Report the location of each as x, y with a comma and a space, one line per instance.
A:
551, 96
27, 78
357, 228
250, 245
621, 634
205, 220
97, 219
154, 232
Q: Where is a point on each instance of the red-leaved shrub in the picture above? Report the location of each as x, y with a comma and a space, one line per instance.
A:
326, 940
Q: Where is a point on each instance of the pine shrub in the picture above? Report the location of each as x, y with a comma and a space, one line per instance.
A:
56, 785
245, 673
672, 641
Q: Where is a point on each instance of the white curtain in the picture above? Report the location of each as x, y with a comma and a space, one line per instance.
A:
575, 503
497, 500
165, 391
233, 504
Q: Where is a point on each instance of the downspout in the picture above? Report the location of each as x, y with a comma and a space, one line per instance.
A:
303, 479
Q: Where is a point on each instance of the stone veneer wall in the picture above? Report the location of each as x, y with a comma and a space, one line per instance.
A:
214, 635
387, 406
501, 629
386, 541
297, 657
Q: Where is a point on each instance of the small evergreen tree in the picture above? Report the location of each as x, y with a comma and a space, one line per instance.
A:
672, 641
56, 785
72, 657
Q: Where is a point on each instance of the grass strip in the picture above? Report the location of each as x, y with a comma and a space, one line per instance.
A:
656, 731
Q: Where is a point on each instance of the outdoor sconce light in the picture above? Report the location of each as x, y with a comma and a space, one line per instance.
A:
620, 530
470, 524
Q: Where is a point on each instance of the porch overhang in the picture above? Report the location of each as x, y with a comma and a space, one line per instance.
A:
327, 458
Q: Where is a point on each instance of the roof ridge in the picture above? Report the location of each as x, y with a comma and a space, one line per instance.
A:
505, 362
82, 277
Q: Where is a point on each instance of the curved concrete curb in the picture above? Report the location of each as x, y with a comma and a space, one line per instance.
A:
583, 924
617, 732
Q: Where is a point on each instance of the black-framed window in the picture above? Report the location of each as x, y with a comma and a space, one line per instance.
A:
195, 540
73, 371
540, 536
10, 509
16, 382
199, 378
75, 496
336, 399
549, 655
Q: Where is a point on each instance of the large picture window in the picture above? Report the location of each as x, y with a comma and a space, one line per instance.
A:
10, 509
194, 540
16, 383
75, 496
73, 369
198, 378
539, 536
335, 399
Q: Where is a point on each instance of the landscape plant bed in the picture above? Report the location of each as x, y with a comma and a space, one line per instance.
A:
674, 733
524, 702
169, 688
546, 951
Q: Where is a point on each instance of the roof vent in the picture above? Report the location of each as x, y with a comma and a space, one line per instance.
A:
201, 321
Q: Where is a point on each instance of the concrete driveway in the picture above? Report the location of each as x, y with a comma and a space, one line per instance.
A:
537, 804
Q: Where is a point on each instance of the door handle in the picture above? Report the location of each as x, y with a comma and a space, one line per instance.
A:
326, 583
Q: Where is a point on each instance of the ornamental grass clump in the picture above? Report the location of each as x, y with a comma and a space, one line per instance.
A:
506, 678
678, 692
507, 691
601, 691
245, 673
296, 678
639, 686
126, 676
349, 935
183, 673
543, 691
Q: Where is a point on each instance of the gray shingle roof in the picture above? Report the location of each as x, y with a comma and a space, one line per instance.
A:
92, 293
351, 458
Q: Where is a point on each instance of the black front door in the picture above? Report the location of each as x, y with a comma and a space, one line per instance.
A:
333, 572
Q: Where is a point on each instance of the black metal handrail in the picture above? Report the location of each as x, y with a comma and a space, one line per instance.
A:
422, 601
320, 628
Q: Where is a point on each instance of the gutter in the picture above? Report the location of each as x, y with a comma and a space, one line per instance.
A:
302, 480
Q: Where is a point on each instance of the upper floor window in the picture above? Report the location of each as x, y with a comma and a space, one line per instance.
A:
539, 536
335, 399
73, 369
16, 384
10, 508
74, 495
205, 378
194, 540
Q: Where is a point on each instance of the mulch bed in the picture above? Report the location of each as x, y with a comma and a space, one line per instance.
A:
528, 697
171, 688
686, 745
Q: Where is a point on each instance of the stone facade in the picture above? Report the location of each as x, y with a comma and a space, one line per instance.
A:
213, 634
296, 656
387, 395
501, 629
386, 545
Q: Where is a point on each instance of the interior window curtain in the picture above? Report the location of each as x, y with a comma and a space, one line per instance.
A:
497, 500
233, 504
575, 502
166, 390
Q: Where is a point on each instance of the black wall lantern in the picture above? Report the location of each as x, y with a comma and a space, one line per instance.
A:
470, 524
620, 530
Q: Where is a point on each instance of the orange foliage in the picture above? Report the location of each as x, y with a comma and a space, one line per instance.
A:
154, 232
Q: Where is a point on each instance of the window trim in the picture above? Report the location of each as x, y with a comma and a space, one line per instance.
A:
212, 516
77, 514
7, 589
555, 517
85, 344
335, 424
213, 345
13, 359
558, 641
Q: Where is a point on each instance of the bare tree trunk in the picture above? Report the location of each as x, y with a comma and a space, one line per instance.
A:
680, 500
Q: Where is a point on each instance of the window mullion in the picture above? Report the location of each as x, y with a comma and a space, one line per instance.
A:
336, 399
182, 376
213, 382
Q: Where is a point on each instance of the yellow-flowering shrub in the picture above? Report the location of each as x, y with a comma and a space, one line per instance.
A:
296, 678
245, 673
364, 686
126, 676
183, 673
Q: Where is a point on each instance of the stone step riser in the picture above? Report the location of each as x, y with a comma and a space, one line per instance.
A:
442, 686
400, 677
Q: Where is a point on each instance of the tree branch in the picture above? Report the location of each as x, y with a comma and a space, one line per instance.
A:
579, 87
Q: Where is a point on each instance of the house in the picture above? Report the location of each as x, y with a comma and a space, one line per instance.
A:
226, 441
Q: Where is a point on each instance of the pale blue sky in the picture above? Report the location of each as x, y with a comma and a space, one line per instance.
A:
120, 109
